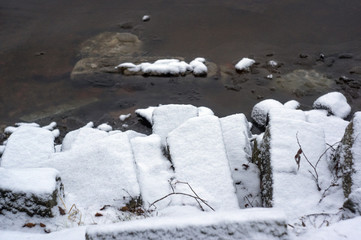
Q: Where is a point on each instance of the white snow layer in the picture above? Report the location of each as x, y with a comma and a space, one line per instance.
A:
28, 145
199, 158
167, 66
168, 117
260, 110
250, 224
244, 64
146, 113
29, 180
245, 174
295, 190
105, 127
98, 160
124, 116
153, 170
335, 103
292, 104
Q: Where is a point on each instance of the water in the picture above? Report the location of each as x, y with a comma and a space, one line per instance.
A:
40, 39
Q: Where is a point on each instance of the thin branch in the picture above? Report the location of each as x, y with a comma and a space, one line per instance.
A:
196, 197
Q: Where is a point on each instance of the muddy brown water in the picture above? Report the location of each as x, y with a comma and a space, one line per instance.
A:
40, 39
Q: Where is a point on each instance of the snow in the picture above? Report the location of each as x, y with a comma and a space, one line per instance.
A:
292, 104
272, 63
244, 64
124, 116
204, 111
269, 76
51, 126
260, 110
294, 190
250, 224
334, 127
347, 229
145, 18
29, 180
105, 127
203, 164
335, 103
167, 67
198, 66
245, 174
146, 113
97, 160
168, 117
68, 234
27, 146
153, 170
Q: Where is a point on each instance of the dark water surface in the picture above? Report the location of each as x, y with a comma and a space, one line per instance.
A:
40, 39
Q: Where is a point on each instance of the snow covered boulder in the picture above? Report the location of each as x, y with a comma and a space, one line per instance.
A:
245, 174
335, 103
285, 184
165, 118
241, 225
348, 156
260, 110
153, 170
27, 146
97, 169
244, 64
199, 157
34, 191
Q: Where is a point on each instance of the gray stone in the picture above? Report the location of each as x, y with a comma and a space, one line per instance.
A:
239, 224
347, 160
353, 203
34, 191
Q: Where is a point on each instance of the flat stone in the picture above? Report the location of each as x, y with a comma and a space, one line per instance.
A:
240, 225
34, 191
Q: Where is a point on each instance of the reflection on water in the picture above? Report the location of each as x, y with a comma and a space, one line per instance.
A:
40, 41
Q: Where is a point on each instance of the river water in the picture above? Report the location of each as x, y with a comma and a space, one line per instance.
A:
40, 41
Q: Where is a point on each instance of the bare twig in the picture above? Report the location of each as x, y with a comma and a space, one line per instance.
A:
315, 174
195, 196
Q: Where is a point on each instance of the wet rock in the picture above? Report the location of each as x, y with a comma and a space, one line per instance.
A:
111, 44
303, 82
126, 25
302, 55
356, 70
345, 55
330, 61
34, 191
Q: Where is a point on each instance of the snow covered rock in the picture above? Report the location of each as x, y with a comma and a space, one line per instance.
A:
292, 104
285, 184
168, 117
199, 157
244, 64
353, 203
98, 160
34, 191
335, 103
260, 110
348, 156
164, 67
250, 224
153, 170
245, 174
28, 145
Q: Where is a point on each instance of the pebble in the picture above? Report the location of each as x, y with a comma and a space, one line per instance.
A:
345, 55
146, 18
